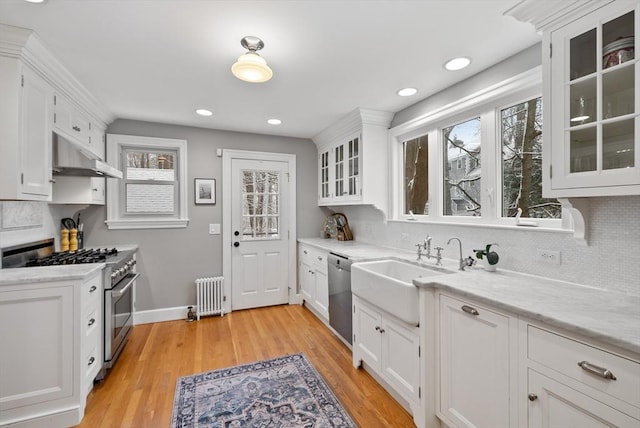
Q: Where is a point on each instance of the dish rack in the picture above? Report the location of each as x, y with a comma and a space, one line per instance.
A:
337, 226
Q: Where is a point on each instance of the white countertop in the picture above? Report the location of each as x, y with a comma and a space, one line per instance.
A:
610, 317
48, 273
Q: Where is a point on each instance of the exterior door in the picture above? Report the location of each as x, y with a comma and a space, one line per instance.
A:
259, 233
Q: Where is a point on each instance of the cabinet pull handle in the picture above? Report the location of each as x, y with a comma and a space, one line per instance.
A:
94, 189
304, 251
93, 288
377, 328
596, 370
91, 361
319, 258
470, 310
532, 396
382, 330
92, 321
53, 180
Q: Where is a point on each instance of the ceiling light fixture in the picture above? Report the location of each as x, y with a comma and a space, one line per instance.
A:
274, 122
251, 67
407, 92
204, 112
35, 1
457, 63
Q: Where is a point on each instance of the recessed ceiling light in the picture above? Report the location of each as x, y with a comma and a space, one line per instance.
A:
407, 92
204, 112
35, 1
274, 122
457, 63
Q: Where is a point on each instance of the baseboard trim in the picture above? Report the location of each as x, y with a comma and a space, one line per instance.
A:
160, 315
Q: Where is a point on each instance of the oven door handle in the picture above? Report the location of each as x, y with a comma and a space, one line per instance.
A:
121, 291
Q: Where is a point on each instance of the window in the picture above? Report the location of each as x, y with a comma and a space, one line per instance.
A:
462, 184
521, 131
485, 163
416, 178
153, 190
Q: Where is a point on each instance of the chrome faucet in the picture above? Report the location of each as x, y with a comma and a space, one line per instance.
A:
427, 246
461, 263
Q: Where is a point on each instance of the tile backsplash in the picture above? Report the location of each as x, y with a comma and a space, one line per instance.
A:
611, 260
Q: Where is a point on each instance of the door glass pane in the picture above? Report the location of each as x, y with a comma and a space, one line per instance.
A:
583, 102
617, 41
583, 150
260, 205
617, 145
521, 133
416, 175
582, 55
462, 174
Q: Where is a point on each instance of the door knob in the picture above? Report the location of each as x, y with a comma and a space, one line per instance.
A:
532, 396
236, 233
236, 244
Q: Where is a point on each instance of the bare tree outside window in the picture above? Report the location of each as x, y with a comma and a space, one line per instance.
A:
522, 163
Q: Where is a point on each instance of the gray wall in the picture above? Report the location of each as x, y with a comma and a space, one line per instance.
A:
170, 259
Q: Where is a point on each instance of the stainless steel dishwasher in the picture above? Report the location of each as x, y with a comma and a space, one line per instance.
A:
340, 317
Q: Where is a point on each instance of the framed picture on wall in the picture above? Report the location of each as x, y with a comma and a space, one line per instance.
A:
205, 191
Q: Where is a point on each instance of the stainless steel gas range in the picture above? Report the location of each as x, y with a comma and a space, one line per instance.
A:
119, 276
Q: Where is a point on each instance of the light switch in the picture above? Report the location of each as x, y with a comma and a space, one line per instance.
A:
214, 229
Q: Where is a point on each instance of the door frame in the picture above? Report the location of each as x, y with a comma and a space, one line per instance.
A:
228, 156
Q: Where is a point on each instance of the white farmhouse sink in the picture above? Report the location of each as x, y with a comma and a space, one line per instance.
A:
388, 285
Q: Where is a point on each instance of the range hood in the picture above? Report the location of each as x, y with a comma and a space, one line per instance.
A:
70, 159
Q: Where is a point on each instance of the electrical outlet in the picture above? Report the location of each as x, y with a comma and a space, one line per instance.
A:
548, 256
214, 229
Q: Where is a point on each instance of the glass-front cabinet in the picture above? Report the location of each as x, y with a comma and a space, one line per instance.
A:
352, 160
592, 75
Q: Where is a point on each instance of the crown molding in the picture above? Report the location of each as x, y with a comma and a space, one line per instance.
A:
549, 14
354, 121
26, 46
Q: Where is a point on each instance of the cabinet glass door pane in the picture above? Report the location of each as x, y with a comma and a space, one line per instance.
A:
583, 150
617, 145
324, 174
617, 41
583, 102
583, 55
353, 166
339, 172
618, 92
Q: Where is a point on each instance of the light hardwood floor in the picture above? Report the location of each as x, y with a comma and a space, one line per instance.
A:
139, 391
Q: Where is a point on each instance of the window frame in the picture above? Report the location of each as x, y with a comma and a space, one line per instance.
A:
116, 218
486, 104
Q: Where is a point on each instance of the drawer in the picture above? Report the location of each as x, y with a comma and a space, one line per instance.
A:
91, 291
563, 355
91, 364
314, 257
91, 323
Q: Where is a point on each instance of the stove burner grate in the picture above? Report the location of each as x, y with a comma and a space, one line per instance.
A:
74, 257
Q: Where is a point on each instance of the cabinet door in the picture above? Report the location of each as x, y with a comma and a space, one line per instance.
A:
474, 365
593, 110
35, 138
70, 122
307, 282
367, 330
322, 293
347, 170
98, 185
37, 336
97, 140
324, 183
401, 357
555, 405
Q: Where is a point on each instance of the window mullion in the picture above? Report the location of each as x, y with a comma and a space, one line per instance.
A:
490, 169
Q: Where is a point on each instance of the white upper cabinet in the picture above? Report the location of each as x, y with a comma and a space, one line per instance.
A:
591, 97
352, 160
25, 132
73, 124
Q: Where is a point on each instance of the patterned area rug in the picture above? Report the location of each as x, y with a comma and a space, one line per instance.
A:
282, 392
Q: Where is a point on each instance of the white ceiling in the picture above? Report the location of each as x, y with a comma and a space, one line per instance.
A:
159, 60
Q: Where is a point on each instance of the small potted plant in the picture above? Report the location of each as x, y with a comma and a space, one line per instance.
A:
490, 257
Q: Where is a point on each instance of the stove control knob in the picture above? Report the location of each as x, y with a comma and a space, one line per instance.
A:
114, 275
130, 264
121, 271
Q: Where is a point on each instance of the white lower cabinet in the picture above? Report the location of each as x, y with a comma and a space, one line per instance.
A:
388, 346
476, 368
570, 382
312, 274
51, 335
